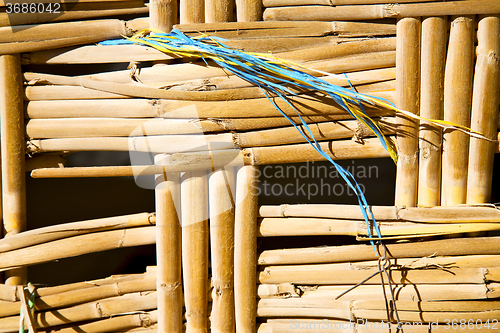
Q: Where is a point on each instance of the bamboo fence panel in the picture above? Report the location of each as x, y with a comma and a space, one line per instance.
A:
77, 245
434, 39
81, 12
59, 231
245, 251
12, 151
407, 98
248, 10
443, 247
31, 38
195, 237
457, 109
218, 11
222, 220
192, 11
380, 11
485, 103
168, 251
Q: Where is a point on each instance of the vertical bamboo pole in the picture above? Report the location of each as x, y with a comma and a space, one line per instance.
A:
168, 251
221, 199
434, 38
248, 10
219, 11
13, 154
485, 102
192, 11
407, 98
457, 109
194, 217
245, 251
162, 14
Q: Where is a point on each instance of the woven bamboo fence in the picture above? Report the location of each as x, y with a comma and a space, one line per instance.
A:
434, 268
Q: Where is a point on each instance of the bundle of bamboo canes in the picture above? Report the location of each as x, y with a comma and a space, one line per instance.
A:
201, 104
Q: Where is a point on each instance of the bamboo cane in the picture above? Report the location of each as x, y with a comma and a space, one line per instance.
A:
357, 62
218, 11
82, 312
221, 200
485, 103
51, 233
457, 109
273, 29
13, 151
52, 35
438, 214
162, 14
284, 3
372, 12
126, 322
94, 54
194, 212
327, 274
248, 10
168, 245
245, 252
141, 108
420, 292
8, 293
458, 246
80, 14
434, 37
407, 96
77, 245
317, 226
156, 144
341, 50
192, 11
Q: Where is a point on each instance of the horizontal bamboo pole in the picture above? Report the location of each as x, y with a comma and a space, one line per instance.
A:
404, 292
125, 323
443, 247
283, 3
273, 29
371, 12
341, 50
330, 274
30, 38
94, 54
462, 214
355, 62
83, 11
155, 143
77, 245
70, 298
380, 80
87, 311
138, 108
317, 226
51, 233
